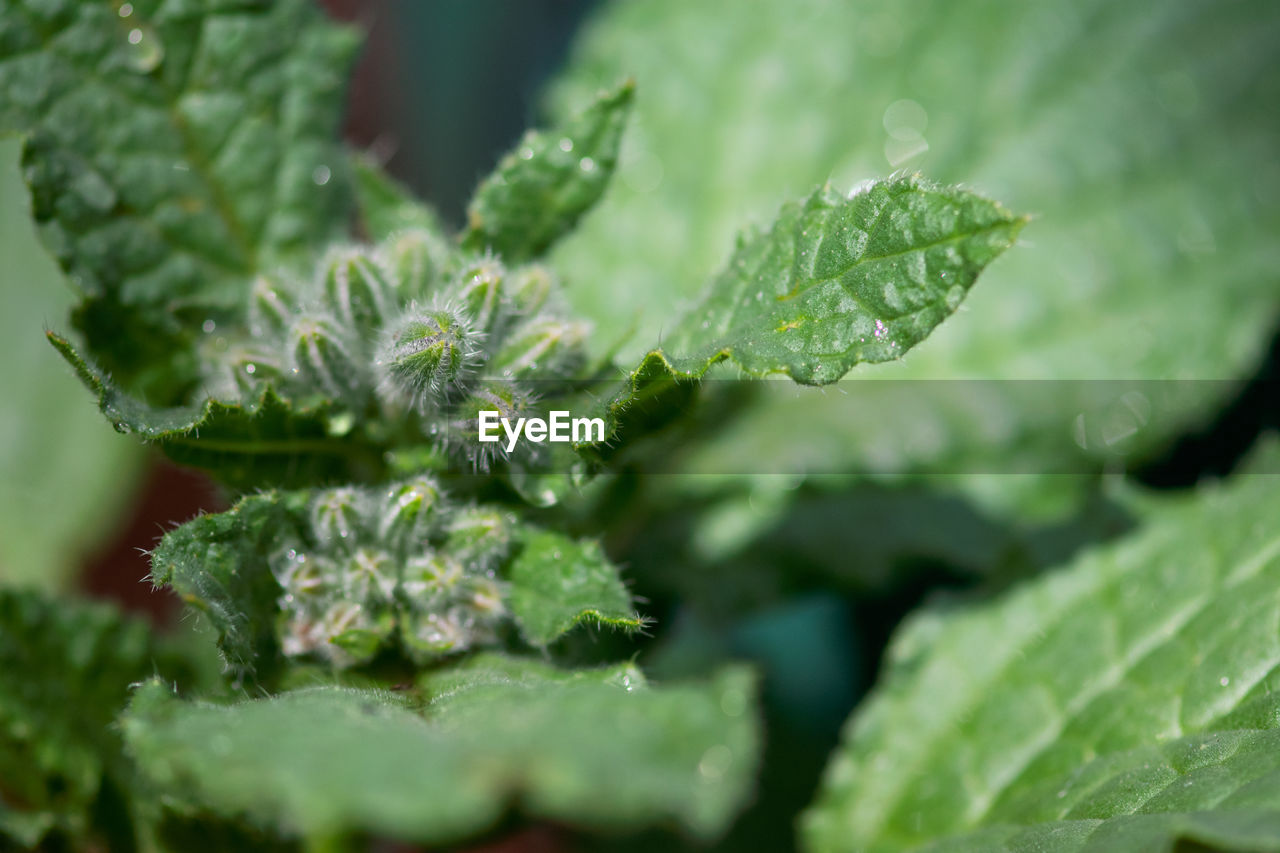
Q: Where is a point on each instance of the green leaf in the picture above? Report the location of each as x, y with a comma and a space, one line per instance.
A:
171, 152
245, 444
1152, 252
840, 281
65, 478
834, 283
557, 583
65, 667
1121, 702
541, 189
597, 749
386, 206
217, 563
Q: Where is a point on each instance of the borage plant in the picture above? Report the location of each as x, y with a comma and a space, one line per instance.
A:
420, 631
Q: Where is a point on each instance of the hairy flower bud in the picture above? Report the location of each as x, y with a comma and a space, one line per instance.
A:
409, 511
370, 576
337, 515
355, 289
508, 399
530, 288
542, 347
431, 581
479, 537
271, 308
478, 293
413, 258
299, 573
428, 354
486, 598
431, 635
354, 632
322, 358
236, 371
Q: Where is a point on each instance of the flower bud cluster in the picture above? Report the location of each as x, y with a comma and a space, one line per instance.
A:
411, 327
397, 563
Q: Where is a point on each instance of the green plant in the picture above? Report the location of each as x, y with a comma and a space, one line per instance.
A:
420, 632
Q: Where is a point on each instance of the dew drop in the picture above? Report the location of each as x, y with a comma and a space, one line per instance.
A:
126, 10
587, 164
905, 119
566, 144
144, 51
208, 326
320, 175
1224, 681
526, 153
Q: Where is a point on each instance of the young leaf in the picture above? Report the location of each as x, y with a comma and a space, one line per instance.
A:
217, 563
839, 281
386, 206
173, 150
834, 283
594, 748
1128, 699
540, 189
65, 668
557, 583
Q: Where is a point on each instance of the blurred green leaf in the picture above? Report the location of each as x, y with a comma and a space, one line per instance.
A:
1144, 151
594, 748
1116, 704
65, 669
542, 188
172, 151
65, 478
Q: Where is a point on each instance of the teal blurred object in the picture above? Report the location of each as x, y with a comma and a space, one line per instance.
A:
66, 478
444, 89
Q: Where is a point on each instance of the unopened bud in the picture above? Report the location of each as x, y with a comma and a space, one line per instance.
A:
355, 288
431, 581
479, 537
336, 515
544, 346
322, 357
428, 353
530, 288
413, 259
409, 511
271, 307
479, 293
431, 635
354, 633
